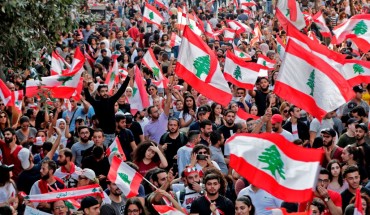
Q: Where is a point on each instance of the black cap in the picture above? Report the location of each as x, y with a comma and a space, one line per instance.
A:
204, 109
88, 202
358, 89
351, 120
8, 168
351, 105
363, 126
329, 131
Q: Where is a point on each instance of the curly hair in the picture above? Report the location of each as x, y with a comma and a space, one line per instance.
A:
220, 177
140, 151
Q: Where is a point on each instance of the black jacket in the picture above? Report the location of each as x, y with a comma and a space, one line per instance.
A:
303, 129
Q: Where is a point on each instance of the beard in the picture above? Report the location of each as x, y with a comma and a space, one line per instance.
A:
84, 140
329, 144
62, 163
8, 140
207, 134
230, 122
172, 131
275, 129
191, 185
117, 192
45, 177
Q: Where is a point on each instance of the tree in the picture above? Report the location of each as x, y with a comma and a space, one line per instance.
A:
202, 65
237, 73
360, 28
272, 158
287, 12
64, 79
28, 26
357, 68
311, 82
151, 15
155, 72
241, 54
124, 177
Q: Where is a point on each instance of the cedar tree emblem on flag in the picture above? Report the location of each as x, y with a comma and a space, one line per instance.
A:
155, 71
124, 177
311, 82
360, 28
357, 68
64, 79
272, 158
202, 65
237, 73
151, 16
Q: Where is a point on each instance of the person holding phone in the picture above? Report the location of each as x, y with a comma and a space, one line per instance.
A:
201, 158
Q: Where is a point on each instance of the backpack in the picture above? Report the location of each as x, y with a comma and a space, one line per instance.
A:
165, 135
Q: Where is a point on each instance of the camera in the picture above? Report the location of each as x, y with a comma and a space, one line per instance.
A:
201, 157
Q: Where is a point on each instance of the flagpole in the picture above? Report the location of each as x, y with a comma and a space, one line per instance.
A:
150, 183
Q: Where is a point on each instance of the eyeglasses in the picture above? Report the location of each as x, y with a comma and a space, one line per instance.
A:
285, 111
133, 211
202, 153
59, 207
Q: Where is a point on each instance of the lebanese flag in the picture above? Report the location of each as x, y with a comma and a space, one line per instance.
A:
60, 86
167, 210
139, 99
280, 47
77, 62
116, 146
357, 28
17, 99
125, 177
257, 35
151, 63
175, 40
282, 211
197, 65
163, 4
313, 37
58, 64
236, 26
266, 62
229, 34
317, 88
287, 11
248, 3
240, 54
66, 194
208, 31
5, 94
358, 203
89, 59
274, 164
193, 24
245, 27
240, 73
320, 23
307, 18
241, 114
112, 75
354, 71
181, 18
152, 15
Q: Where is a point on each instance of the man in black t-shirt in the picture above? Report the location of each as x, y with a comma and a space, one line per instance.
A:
125, 136
229, 128
213, 202
260, 95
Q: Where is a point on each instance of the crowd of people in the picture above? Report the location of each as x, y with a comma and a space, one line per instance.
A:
178, 142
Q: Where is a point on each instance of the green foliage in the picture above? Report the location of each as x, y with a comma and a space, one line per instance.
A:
134, 90
191, 26
151, 15
30, 25
202, 65
360, 28
237, 73
357, 68
241, 54
311, 82
124, 177
279, 49
155, 72
272, 158
287, 12
64, 79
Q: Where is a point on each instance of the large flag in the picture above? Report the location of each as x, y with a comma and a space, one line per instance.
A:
319, 20
77, 62
152, 15
358, 203
151, 63
317, 88
357, 28
139, 99
193, 24
287, 11
240, 73
17, 100
198, 65
125, 177
58, 64
280, 47
274, 164
167, 210
114, 147
163, 4
5, 93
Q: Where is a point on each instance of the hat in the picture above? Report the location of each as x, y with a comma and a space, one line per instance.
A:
363, 126
189, 170
351, 105
24, 158
329, 131
358, 89
88, 173
39, 141
276, 118
8, 168
88, 202
202, 109
79, 118
351, 120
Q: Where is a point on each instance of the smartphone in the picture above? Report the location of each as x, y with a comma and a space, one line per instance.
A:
201, 157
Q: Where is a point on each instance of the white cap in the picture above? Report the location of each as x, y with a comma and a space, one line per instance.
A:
24, 158
39, 141
88, 173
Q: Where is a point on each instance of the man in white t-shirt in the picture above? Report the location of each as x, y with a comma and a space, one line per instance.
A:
276, 122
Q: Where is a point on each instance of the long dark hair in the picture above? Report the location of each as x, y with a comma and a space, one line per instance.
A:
212, 115
134, 201
140, 151
328, 167
186, 108
248, 201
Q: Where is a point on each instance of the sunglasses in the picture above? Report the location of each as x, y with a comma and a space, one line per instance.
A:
202, 153
1, 104
285, 111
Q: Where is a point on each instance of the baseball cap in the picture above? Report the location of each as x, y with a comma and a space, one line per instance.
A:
24, 158
4, 168
351, 105
363, 126
88, 173
39, 141
88, 202
276, 118
358, 89
202, 109
351, 120
329, 131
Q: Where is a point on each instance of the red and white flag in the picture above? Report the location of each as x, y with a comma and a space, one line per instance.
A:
243, 115
5, 94
320, 23
198, 65
152, 64
125, 177
257, 35
240, 73
280, 47
58, 64
116, 147
139, 99
181, 18
175, 40
357, 28
163, 4
240, 54
17, 99
317, 88
265, 61
112, 75
167, 210
77, 62
358, 203
248, 3
287, 11
152, 15
208, 31
193, 24
313, 37
229, 34
274, 164
235, 25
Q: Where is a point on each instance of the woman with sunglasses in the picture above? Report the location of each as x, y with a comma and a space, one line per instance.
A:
4, 123
284, 111
201, 158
